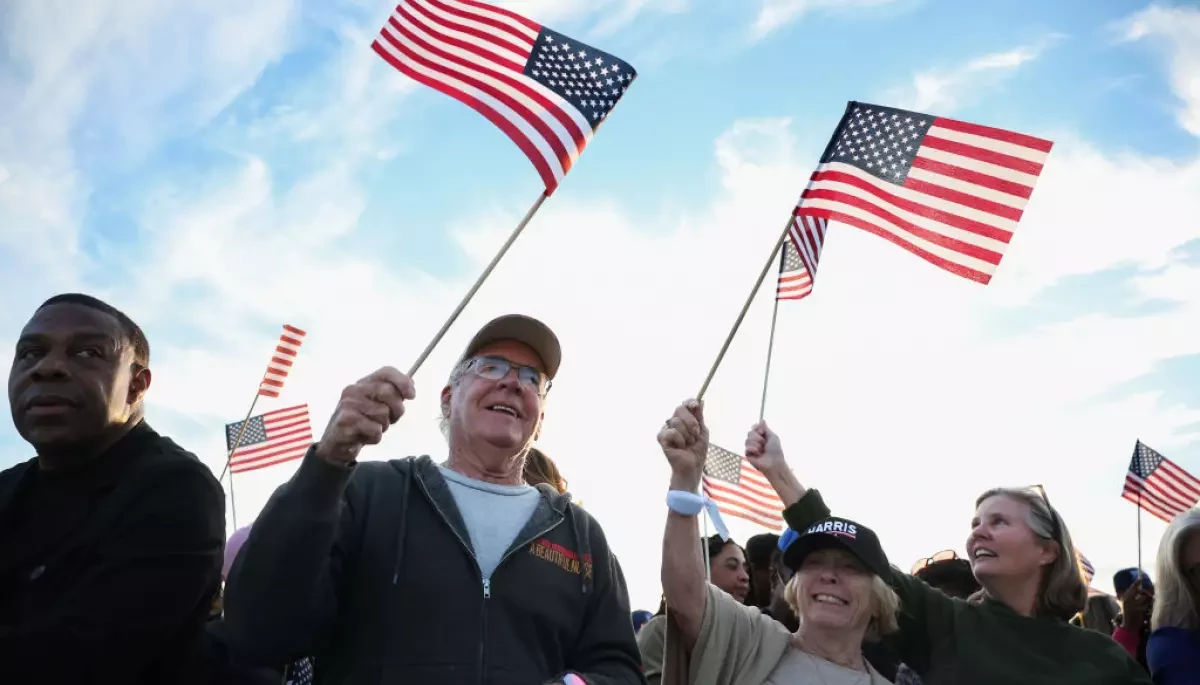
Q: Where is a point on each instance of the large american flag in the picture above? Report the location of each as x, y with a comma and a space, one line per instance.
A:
948, 191
547, 92
269, 439
281, 361
741, 490
1158, 485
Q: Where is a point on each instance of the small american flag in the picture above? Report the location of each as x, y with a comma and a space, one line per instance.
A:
1086, 569
741, 490
281, 361
948, 191
271, 438
300, 673
794, 281
1158, 485
545, 91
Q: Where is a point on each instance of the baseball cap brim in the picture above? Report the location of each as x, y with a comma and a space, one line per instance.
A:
804, 545
523, 329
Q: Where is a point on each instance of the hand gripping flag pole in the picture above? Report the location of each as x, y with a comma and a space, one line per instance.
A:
546, 91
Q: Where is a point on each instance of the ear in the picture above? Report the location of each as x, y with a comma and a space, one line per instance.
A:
446, 402
1050, 552
139, 383
537, 432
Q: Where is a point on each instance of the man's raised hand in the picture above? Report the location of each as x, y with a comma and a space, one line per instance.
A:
365, 411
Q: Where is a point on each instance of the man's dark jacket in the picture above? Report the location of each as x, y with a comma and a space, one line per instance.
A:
370, 569
123, 595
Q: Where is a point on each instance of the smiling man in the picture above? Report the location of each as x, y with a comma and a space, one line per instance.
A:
412, 572
110, 539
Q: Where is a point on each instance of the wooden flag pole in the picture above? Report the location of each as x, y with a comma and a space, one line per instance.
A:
478, 282
746, 307
1139, 534
762, 407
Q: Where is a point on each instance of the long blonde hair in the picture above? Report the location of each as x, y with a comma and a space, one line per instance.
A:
1176, 601
1062, 593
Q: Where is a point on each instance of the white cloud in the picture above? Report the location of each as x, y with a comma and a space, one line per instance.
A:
1177, 29
945, 90
608, 15
775, 14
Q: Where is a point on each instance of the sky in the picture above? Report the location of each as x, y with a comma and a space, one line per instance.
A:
219, 169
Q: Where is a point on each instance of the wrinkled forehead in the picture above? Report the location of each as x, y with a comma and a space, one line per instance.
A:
1002, 503
514, 351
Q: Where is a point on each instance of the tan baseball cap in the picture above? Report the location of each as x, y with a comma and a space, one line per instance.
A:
523, 329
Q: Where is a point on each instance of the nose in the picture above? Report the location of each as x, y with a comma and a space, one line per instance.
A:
51, 366
511, 381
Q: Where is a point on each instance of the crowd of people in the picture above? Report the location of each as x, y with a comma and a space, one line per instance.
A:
479, 568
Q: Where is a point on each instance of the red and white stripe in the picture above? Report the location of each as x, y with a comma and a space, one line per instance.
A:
957, 209
1166, 493
289, 435
752, 498
793, 285
476, 54
281, 361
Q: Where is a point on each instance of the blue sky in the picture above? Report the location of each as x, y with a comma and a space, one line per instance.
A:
218, 170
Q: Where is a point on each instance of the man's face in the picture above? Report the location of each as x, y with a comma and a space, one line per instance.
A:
503, 413
72, 378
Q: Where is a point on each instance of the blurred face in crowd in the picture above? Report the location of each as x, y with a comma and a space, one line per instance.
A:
73, 383
497, 401
833, 590
1002, 545
730, 571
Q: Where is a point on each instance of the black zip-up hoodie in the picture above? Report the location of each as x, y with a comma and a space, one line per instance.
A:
370, 569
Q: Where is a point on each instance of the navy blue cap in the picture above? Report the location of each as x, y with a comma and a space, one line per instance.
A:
853, 537
1125, 577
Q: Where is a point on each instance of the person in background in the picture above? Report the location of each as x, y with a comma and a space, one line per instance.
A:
728, 571
110, 538
947, 573
762, 555
1136, 592
1100, 614
409, 571
640, 618
1016, 630
540, 468
1174, 647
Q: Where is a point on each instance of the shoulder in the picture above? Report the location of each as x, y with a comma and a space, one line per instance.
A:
1098, 644
15, 473
169, 462
1165, 643
653, 633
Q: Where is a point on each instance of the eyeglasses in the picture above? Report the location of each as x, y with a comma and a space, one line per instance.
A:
944, 555
495, 368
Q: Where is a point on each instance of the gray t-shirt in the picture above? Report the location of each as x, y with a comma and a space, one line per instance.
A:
801, 667
494, 514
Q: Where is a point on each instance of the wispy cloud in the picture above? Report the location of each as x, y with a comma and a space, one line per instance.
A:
606, 16
1176, 30
945, 90
775, 14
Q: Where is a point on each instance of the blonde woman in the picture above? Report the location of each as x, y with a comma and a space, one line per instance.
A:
1016, 630
1174, 647
837, 591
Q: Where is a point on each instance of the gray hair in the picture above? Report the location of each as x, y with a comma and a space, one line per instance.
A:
1062, 593
885, 606
1176, 600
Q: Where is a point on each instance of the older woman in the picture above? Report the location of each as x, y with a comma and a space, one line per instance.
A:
1174, 647
836, 590
1016, 630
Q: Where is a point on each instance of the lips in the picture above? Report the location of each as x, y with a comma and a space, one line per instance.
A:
50, 402
826, 598
505, 408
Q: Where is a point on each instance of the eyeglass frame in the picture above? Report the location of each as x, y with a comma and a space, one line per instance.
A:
542, 387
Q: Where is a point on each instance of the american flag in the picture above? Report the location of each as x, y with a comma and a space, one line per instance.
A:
948, 191
794, 280
271, 438
546, 91
1086, 569
300, 673
741, 490
1158, 485
281, 361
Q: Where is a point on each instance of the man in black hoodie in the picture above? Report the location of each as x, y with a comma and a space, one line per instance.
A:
110, 539
412, 572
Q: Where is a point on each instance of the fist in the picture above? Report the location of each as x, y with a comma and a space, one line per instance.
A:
763, 449
365, 411
684, 440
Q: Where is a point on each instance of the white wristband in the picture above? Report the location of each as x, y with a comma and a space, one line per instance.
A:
691, 504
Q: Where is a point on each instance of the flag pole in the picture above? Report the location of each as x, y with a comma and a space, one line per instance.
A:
238, 441
1139, 534
762, 407
478, 282
704, 548
736, 324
